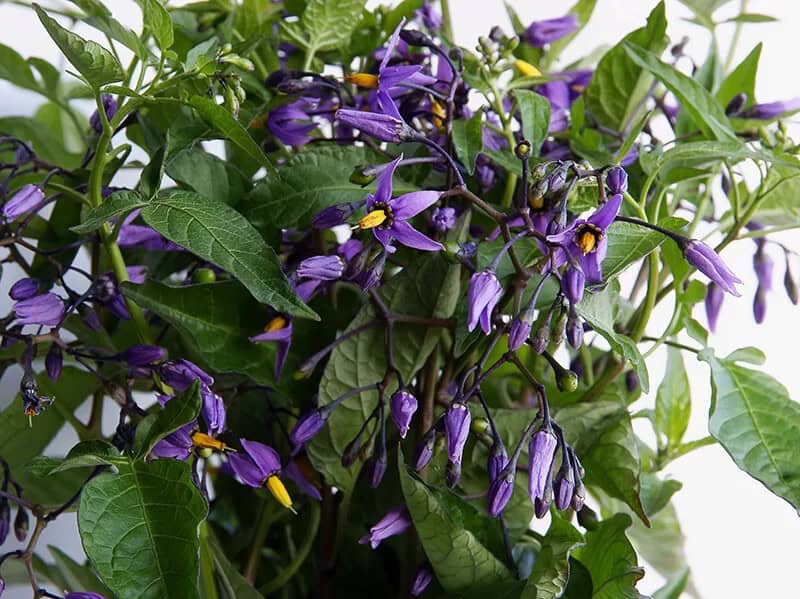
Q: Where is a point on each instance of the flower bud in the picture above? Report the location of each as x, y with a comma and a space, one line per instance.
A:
456, 428
617, 180
631, 381
574, 329
376, 467
572, 284
557, 178
542, 336
541, 451
308, 426
53, 362
402, 407
523, 149
564, 486
520, 330
351, 452
21, 524
414, 37
452, 473
736, 104
500, 490
424, 451
29, 197
24, 289
540, 508
422, 579
790, 284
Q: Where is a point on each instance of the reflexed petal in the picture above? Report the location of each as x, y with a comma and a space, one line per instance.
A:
394, 39
264, 457
411, 204
409, 236
387, 105
385, 237
246, 470
383, 190
606, 214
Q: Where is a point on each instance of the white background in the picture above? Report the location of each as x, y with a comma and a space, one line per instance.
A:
741, 541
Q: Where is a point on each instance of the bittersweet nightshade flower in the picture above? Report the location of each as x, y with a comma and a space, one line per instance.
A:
541, 451
383, 127
444, 218
323, 268
24, 289
308, 426
707, 261
456, 428
32, 403
617, 180
333, 216
179, 374
763, 266
290, 123
540, 33
396, 521
585, 241
483, 294
500, 490
278, 330
143, 355
713, 303
388, 217
258, 467
213, 410
28, 198
424, 451
771, 110
53, 362
177, 445
520, 330
109, 107
402, 406
46, 309
422, 579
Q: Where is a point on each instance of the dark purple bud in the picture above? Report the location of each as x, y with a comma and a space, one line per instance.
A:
617, 180
467, 249
541, 451
760, 305
631, 381
53, 362
500, 490
308, 426
444, 218
572, 284
403, 405
24, 289
498, 458
579, 496
422, 579
713, 302
22, 155
520, 331
376, 468
333, 216
736, 104
707, 261
790, 284
452, 473
424, 451
92, 320
457, 421
574, 330
143, 355
109, 107
556, 179
29, 197
541, 507
771, 110
46, 309
380, 126
540, 33
371, 276
395, 522
5, 519
351, 451
414, 38
564, 487
21, 524
321, 268
483, 294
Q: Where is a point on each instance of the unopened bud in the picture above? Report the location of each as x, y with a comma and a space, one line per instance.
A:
588, 518
360, 177
21, 524
735, 106
414, 38
452, 473
631, 381
790, 284
542, 336
238, 61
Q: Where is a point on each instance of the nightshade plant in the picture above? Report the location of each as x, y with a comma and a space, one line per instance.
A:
399, 313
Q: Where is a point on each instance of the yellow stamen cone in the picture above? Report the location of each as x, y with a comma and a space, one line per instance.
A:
527, 69
204, 441
279, 492
437, 108
275, 324
586, 241
374, 219
366, 80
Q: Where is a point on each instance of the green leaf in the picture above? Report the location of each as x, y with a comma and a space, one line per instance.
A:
428, 287
752, 355
117, 205
177, 412
15, 69
230, 580
215, 320
700, 104
599, 310
157, 20
535, 110
781, 200
742, 80
629, 243
751, 17
758, 424
76, 576
458, 558
97, 65
673, 400
222, 120
217, 233
307, 183
326, 24
611, 560
45, 142
550, 573
139, 529
85, 453
468, 140
207, 174
674, 587
619, 84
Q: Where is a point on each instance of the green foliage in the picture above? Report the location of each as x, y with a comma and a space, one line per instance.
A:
535, 110
468, 140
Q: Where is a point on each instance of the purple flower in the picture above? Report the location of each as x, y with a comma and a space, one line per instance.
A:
771, 110
109, 107
564, 487
394, 80
308, 426
540, 33
500, 490
290, 123
707, 261
520, 330
584, 241
388, 217
498, 458
617, 180
483, 294
444, 218
83, 595
572, 283
384, 127
423, 577
256, 464
143, 355
294, 471
144, 237
763, 265
279, 330
333, 216
177, 445
46, 309
323, 268
541, 451
24, 289
402, 406
29, 197
396, 521
213, 410
53, 362
456, 428
429, 17
180, 374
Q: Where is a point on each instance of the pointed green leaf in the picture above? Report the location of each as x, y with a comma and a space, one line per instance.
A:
117, 205
742, 80
157, 20
673, 400
629, 243
178, 411
535, 111
85, 453
550, 573
468, 140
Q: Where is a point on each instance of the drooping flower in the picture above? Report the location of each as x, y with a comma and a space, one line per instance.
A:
388, 216
498, 458
541, 451
402, 406
422, 579
564, 487
707, 261
384, 127
143, 355
308, 426
29, 197
500, 490
584, 242
456, 428
540, 33
520, 330
290, 123
180, 374
46, 309
258, 467
763, 266
483, 294
396, 521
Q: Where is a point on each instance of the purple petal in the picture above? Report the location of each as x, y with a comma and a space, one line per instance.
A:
246, 470
383, 191
606, 214
409, 236
264, 457
411, 204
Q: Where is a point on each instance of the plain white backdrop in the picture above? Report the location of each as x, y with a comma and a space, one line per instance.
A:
741, 541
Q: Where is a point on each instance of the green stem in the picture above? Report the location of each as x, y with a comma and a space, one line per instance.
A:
302, 554
264, 523
208, 584
447, 20
650, 298
737, 32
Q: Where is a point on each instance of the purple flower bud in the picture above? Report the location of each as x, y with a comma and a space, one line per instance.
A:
424, 451
760, 305
21, 524
572, 284
519, 332
422, 579
707, 261
574, 330
92, 320
323, 268
83, 595
617, 180
308, 425
403, 405
109, 107
143, 355
713, 303
213, 410
376, 468
483, 294
29, 197
5, 519
541, 451
433, 21
790, 284
564, 487
735, 106
333, 216
498, 458
46, 309
631, 381
500, 490
444, 218
396, 521
541, 507
24, 289
180, 374
456, 429
452, 473
53, 362
380, 126
540, 33
771, 110
467, 249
